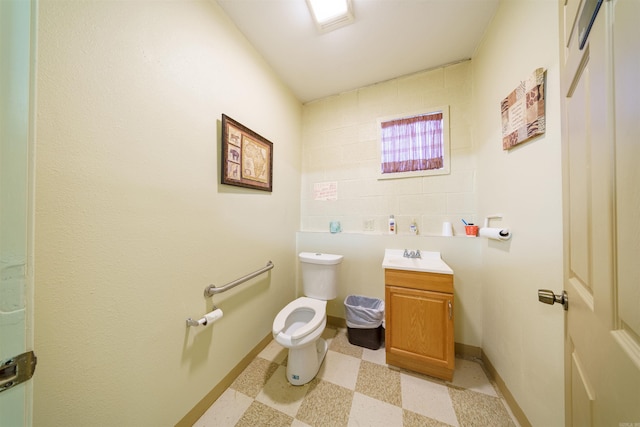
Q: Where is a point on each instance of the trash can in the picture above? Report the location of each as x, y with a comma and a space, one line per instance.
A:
365, 318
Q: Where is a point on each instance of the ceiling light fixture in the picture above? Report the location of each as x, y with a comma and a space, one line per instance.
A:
331, 14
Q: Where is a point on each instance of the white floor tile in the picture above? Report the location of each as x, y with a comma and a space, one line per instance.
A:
226, 411
375, 356
421, 394
279, 394
470, 375
340, 369
369, 412
274, 352
428, 398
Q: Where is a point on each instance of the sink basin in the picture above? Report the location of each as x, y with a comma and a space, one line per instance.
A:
431, 262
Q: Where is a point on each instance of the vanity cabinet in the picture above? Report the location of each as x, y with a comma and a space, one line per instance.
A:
419, 322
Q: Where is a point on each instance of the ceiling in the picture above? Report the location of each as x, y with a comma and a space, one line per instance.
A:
388, 39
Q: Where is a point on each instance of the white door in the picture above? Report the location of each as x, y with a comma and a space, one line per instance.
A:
601, 191
16, 213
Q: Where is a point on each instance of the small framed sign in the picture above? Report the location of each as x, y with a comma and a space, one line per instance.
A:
247, 158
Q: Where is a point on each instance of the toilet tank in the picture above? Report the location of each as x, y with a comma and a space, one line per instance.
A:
319, 274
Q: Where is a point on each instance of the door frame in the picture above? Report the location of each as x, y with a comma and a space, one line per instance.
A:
26, 11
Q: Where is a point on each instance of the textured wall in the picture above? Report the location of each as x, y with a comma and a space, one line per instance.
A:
132, 222
340, 138
522, 337
340, 145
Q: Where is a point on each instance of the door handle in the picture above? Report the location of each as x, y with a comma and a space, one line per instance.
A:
548, 297
17, 370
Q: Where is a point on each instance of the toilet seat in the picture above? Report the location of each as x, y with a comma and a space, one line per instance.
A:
319, 317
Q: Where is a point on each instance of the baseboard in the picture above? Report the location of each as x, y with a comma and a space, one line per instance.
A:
468, 351
511, 401
336, 322
201, 407
472, 352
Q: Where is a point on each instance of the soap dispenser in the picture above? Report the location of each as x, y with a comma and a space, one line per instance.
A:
392, 225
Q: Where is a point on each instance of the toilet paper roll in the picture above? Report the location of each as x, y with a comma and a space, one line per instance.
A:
211, 317
495, 233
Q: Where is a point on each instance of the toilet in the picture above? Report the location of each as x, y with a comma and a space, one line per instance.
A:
299, 325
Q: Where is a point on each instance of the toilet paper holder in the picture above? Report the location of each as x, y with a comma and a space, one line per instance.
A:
494, 233
191, 322
206, 319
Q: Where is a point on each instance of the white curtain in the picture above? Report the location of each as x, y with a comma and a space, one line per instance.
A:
412, 144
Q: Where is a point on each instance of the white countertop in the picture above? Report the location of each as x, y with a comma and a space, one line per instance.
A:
430, 262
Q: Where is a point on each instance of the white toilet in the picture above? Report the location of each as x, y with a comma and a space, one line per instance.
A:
300, 323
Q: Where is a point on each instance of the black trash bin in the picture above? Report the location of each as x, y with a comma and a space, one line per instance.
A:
365, 317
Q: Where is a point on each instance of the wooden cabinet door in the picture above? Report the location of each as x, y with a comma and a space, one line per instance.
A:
419, 331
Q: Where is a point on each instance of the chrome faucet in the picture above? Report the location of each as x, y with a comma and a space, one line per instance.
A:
412, 254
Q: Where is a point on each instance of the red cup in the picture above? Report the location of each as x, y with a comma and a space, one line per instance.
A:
471, 230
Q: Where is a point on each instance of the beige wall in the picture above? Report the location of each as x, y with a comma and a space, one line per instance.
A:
496, 282
340, 145
132, 222
523, 338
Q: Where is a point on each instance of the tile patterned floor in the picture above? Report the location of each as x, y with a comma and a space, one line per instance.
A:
356, 388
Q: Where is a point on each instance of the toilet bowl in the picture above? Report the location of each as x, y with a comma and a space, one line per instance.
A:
299, 325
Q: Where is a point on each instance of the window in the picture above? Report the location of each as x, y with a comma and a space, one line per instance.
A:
414, 145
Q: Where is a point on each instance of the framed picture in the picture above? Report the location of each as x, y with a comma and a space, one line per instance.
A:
247, 158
